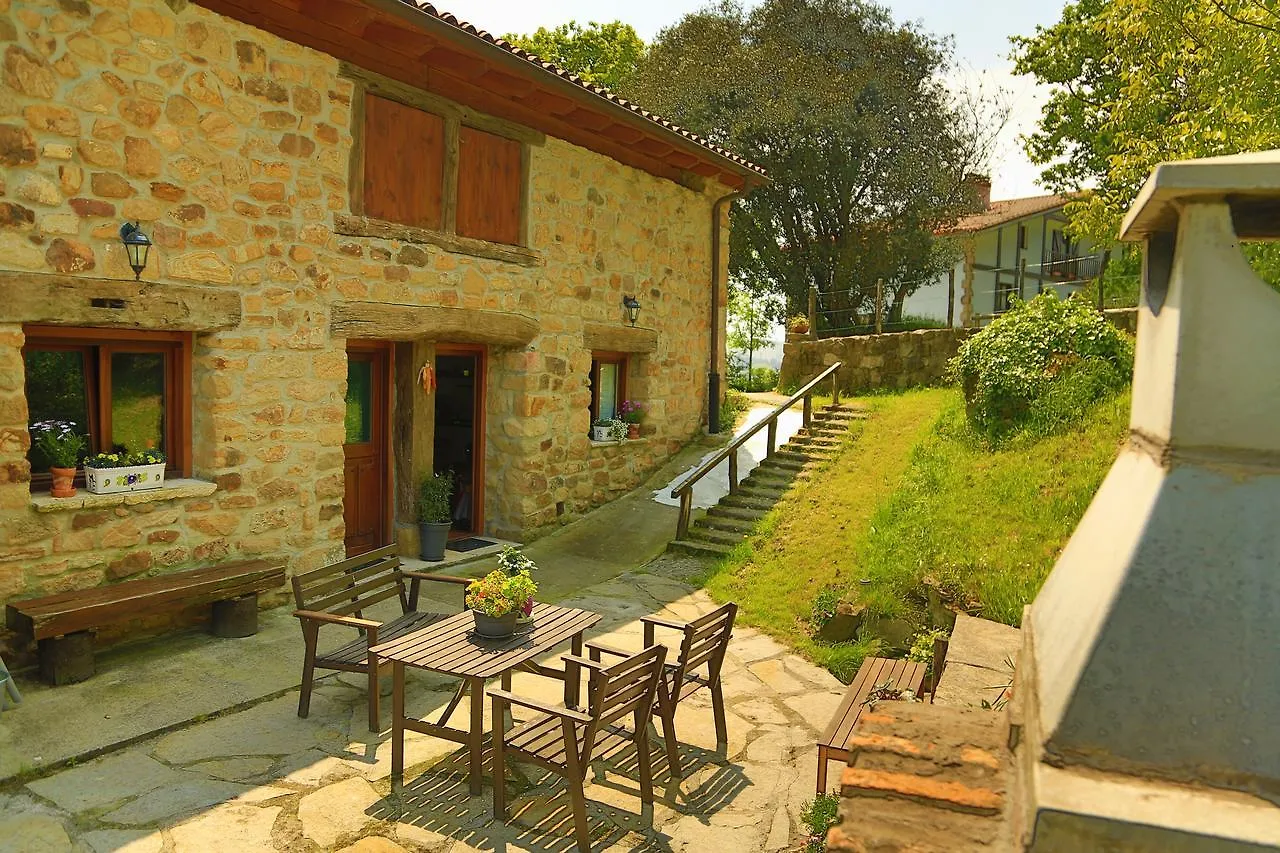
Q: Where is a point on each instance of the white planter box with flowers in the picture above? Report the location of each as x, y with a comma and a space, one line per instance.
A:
108, 473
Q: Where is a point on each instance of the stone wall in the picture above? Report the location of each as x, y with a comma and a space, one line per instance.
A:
1124, 319
871, 362
231, 147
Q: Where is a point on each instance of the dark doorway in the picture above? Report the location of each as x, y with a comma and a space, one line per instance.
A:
365, 448
459, 431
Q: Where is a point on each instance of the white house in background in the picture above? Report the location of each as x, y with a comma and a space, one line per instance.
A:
1013, 247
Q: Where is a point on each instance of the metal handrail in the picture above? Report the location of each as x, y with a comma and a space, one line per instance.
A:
684, 489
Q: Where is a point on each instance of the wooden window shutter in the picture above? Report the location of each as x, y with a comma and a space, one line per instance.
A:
403, 163
490, 182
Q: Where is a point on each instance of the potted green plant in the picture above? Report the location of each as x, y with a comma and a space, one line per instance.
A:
632, 414
600, 430
61, 446
617, 430
435, 515
512, 562
106, 473
497, 600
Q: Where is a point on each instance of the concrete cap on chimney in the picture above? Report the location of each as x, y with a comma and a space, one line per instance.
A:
1249, 183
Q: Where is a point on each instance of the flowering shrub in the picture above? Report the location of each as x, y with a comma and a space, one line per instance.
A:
632, 412
512, 562
497, 593
125, 460
59, 442
1040, 365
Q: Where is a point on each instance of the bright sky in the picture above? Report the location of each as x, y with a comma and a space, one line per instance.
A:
981, 29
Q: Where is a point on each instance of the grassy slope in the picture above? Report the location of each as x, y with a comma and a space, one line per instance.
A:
916, 495
804, 543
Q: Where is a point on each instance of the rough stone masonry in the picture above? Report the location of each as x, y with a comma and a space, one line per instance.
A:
232, 148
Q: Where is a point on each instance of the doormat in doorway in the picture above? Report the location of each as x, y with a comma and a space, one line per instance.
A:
469, 544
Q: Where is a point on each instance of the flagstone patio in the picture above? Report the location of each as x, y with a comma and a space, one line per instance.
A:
263, 779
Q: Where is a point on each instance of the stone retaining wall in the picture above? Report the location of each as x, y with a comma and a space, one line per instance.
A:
872, 362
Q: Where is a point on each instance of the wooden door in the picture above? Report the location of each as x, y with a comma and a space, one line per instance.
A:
365, 450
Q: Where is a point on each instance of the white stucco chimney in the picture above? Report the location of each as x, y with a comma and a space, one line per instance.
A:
1148, 701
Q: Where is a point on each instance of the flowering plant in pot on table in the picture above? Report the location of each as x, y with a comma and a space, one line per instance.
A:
498, 599
512, 562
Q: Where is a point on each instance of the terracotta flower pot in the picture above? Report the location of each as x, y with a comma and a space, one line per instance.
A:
63, 482
633, 430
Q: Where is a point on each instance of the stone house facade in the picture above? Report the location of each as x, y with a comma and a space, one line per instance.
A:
312, 339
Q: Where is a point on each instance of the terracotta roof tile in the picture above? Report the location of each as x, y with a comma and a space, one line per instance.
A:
600, 91
1008, 210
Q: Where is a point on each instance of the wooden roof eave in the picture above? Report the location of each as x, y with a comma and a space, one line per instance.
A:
619, 114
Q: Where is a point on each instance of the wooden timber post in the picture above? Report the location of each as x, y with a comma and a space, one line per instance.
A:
1022, 279
813, 311
773, 439
879, 305
951, 297
733, 473
686, 509
1102, 275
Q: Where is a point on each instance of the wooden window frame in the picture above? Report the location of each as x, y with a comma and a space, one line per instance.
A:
599, 357
98, 345
455, 117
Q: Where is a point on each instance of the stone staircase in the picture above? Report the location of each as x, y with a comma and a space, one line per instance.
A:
735, 516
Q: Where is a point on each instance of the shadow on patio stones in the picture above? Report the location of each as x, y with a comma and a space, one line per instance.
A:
540, 817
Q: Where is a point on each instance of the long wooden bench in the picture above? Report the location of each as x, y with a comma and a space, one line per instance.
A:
63, 624
874, 672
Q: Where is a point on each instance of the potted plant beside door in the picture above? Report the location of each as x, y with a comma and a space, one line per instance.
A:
435, 515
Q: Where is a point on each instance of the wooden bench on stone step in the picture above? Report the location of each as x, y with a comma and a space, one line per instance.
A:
874, 672
63, 624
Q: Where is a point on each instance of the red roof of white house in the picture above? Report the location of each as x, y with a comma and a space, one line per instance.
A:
1005, 211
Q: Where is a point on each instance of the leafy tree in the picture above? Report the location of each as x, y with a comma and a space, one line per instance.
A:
1137, 82
751, 316
606, 54
846, 109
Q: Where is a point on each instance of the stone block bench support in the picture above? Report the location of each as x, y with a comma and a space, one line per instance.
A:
63, 624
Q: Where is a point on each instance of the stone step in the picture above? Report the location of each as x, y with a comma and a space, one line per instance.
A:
767, 477
745, 501
727, 523
816, 441
784, 455
698, 549
781, 465
821, 431
741, 512
806, 452
698, 533
769, 493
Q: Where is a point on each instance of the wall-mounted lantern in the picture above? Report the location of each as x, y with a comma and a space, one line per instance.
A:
633, 308
137, 245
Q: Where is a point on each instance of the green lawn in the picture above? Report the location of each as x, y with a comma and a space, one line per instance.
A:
917, 495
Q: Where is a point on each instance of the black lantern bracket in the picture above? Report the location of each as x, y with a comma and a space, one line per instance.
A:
633, 308
137, 245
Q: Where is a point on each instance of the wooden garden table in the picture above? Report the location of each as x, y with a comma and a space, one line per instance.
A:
450, 647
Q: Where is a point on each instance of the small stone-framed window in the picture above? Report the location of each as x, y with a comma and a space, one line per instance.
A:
126, 390
608, 382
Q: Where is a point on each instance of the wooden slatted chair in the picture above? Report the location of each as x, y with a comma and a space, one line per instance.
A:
338, 595
565, 741
705, 641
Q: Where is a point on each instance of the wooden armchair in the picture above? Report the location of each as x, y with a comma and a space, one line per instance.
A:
564, 740
338, 594
705, 641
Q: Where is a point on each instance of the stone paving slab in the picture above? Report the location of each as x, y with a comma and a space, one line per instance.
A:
263, 779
